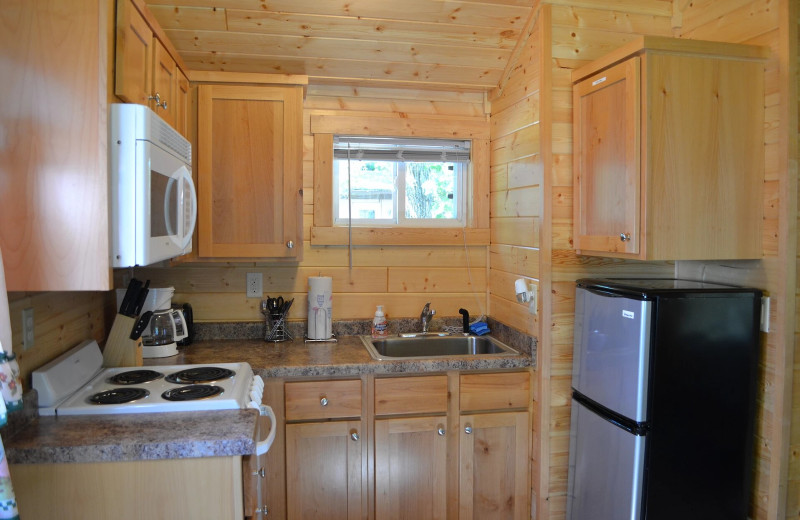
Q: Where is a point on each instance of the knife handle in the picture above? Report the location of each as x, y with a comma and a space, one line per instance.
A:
140, 325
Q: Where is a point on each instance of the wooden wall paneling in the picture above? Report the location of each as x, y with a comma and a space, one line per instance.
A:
232, 307
519, 202
517, 145
323, 187
61, 321
479, 184
601, 18
399, 125
399, 236
435, 280
522, 231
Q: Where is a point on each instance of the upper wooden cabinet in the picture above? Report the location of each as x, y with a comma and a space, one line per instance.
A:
53, 132
250, 171
146, 71
669, 151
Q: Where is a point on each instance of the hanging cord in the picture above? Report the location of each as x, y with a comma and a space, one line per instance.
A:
349, 214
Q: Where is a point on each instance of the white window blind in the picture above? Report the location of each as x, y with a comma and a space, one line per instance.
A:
398, 149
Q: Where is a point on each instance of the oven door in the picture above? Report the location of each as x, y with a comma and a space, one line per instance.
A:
166, 205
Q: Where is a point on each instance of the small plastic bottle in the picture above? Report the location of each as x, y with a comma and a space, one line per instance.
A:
380, 327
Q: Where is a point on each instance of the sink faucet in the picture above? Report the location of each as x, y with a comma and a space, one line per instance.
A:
426, 317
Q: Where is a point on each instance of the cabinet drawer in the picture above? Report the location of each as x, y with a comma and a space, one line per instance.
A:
411, 395
323, 399
494, 391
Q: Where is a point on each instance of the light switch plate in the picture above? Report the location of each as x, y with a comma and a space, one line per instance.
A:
27, 329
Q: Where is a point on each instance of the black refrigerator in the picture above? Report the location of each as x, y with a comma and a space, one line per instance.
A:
664, 385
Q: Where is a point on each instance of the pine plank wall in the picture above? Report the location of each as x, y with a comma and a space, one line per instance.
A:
530, 220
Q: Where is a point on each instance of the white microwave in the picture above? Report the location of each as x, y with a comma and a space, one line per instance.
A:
153, 202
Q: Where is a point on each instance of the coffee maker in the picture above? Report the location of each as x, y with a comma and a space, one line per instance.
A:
167, 326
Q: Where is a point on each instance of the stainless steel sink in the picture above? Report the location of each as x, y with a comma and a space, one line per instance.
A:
434, 346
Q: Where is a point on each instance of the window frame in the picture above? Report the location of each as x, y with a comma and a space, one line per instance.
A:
476, 229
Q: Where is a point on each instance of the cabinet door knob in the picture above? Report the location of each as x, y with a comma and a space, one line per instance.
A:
354, 435
440, 430
625, 237
290, 244
261, 473
323, 401
468, 429
157, 99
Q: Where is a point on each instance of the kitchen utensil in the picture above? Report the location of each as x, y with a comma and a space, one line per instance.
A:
275, 305
277, 332
142, 322
140, 299
128, 305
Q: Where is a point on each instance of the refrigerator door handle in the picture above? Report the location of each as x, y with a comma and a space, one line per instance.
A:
627, 424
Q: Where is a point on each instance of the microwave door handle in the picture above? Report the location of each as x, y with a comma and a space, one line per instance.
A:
182, 175
167, 209
187, 235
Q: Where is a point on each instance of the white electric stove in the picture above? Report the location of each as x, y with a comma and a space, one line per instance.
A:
75, 383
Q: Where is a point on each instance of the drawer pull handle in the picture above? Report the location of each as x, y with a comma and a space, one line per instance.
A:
354, 435
468, 429
440, 430
323, 401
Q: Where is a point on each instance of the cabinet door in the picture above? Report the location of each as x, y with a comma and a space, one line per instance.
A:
182, 105
410, 468
165, 84
494, 466
607, 160
133, 56
249, 171
324, 470
53, 157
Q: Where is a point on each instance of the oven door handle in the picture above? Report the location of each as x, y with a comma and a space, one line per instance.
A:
263, 446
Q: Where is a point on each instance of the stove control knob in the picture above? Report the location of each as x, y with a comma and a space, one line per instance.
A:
323, 401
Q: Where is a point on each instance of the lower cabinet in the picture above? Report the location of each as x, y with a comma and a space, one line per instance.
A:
493, 472
410, 447
410, 468
324, 470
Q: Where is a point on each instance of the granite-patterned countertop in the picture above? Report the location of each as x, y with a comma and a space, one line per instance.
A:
346, 357
128, 437
135, 436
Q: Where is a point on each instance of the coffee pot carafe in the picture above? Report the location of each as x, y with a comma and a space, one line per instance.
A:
166, 328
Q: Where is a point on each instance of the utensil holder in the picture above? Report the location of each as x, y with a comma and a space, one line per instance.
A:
276, 327
120, 349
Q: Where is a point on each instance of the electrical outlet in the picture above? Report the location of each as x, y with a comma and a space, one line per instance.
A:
27, 329
255, 285
765, 314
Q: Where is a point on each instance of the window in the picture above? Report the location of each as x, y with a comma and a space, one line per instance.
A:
388, 181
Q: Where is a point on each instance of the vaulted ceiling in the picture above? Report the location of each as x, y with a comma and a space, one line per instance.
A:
450, 44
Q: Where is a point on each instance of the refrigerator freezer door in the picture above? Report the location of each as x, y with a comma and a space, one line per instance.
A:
606, 465
611, 351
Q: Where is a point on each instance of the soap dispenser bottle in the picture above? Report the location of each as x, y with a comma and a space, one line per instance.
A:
380, 327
